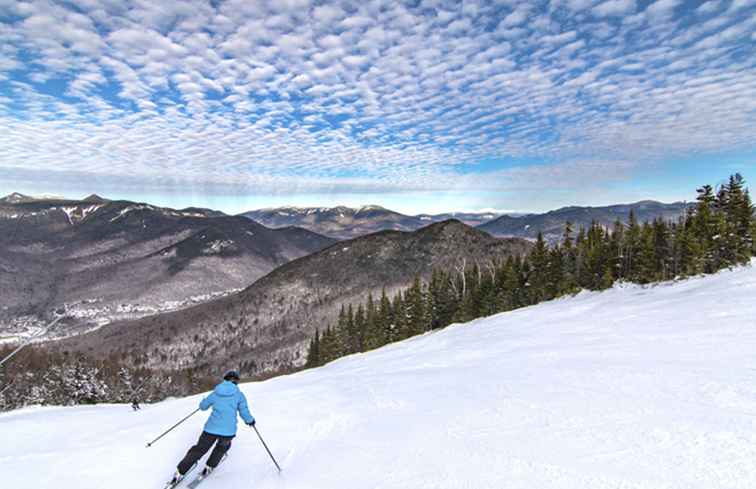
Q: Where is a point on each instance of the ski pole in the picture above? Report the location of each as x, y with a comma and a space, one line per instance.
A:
172, 428
267, 449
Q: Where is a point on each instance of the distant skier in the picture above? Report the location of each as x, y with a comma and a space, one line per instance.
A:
226, 400
135, 404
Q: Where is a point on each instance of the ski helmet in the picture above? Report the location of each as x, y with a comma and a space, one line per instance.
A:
232, 375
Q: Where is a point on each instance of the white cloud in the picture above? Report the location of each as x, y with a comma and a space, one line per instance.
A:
327, 14
614, 8
515, 18
662, 8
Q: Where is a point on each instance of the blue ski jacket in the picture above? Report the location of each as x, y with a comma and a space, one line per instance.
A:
226, 400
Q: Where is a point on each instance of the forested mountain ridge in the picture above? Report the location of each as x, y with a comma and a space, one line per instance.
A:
716, 233
97, 260
551, 224
266, 326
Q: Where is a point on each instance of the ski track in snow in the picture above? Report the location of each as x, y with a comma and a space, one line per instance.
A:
633, 388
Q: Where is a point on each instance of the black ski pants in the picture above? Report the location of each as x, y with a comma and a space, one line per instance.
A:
205, 442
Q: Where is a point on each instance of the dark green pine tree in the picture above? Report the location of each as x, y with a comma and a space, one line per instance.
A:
688, 250
526, 271
555, 272
614, 252
341, 334
739, 217
351, 336
539, 277
328, 347
705, 230
487, 292
414, 309
447, 298
396, 325
568, 282
632, 249
723, 242
646, 269
385, 319
582, 276
595, 256
372, 325
313, 352
662, 250
433, 298
462, 288
360, 329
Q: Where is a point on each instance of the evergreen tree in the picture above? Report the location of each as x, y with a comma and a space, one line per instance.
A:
414, 309
705, 229
385, 320
631, 249
349, 333
396, 324
739, 217
360, 328
373, 333
340, 334
539, 278
313, 352
568, 282
433, 298
446, 299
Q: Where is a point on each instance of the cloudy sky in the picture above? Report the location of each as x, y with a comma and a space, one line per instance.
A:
417, 105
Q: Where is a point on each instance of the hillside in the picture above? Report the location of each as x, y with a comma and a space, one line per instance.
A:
98, 260
345, 222
267, 326
635, 387
552, 223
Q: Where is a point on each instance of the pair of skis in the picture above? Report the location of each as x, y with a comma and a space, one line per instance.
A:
197, 480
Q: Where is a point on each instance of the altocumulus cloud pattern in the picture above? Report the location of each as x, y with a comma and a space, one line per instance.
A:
369, 95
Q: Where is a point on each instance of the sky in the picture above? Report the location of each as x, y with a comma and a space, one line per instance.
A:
419, 106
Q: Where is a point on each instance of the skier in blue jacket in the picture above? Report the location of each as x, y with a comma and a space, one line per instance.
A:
226, 400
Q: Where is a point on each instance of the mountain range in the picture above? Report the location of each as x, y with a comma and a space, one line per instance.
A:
552, 224
183, 288
96, 260
346, 222
267, 326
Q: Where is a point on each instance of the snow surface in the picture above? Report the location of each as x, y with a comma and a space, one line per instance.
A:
633, 388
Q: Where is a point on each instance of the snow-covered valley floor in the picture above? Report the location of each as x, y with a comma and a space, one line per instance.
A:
633, 388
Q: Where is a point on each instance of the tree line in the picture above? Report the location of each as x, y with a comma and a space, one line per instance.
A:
43, 376
716, 232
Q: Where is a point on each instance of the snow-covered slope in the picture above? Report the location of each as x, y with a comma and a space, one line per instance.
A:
631, 388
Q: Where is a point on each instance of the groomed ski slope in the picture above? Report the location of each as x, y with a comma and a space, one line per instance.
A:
631, 388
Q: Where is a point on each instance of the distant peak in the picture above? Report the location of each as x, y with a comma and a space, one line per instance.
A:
371, 208
95, 198
448, 224
18, 198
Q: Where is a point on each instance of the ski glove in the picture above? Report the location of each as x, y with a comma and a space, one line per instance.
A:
252, 423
